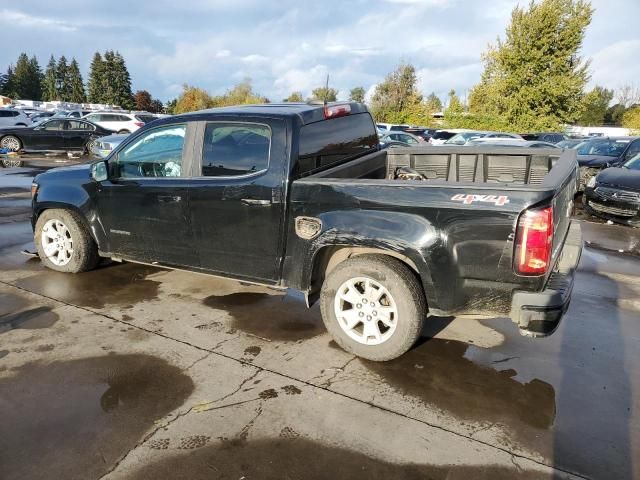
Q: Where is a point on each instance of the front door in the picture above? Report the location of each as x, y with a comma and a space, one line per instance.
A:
47, 136
237, 201
144, 204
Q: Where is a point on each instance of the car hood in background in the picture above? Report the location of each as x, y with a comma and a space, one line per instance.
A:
620, 177
595, 160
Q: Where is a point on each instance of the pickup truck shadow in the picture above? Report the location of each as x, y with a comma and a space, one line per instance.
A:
308, 459
275, 316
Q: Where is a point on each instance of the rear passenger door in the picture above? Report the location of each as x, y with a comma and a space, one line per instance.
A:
76, 134
237, 197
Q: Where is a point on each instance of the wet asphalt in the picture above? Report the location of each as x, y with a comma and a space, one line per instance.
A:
139, 373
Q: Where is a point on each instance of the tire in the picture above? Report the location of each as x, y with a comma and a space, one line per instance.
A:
83, 253
11, 142
12, 162
402, 298
122, 132
89, 145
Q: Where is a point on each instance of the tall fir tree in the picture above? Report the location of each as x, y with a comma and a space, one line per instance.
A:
62, 83
108, 78
74, 80
123, 95
6, 85
26, 78
96, 84
535, 77
49, 89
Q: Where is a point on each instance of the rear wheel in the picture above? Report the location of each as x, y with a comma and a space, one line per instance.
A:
89, 145
124, 132
11, 142
64, 243
373, 306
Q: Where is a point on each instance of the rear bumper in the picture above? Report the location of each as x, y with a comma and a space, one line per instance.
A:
538, 314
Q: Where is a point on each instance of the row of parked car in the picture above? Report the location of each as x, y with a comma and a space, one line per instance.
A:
65, 130
609, 166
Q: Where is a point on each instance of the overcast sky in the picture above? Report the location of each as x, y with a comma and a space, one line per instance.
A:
288, 45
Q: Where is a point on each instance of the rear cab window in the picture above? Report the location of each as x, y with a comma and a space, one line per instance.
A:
349, 136
234, 149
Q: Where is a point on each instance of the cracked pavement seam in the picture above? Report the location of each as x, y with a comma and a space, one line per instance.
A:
283, 375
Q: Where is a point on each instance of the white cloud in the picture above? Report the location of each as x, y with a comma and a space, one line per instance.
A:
616, 64
223, 53
32, 21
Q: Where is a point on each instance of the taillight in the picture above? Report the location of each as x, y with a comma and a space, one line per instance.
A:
333, 111
534, 241
138, 124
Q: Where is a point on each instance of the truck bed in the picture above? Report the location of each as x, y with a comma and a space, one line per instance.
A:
510, 167
463, 217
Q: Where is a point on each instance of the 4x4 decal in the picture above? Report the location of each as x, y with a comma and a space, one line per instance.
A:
468, 199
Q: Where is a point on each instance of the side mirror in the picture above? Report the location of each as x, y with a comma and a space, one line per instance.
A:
99, 171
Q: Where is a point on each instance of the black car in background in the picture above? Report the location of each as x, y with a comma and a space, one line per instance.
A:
550, 137
615, 193
53, 134
598, 153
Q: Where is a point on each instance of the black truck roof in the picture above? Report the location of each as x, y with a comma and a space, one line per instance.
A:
306, 112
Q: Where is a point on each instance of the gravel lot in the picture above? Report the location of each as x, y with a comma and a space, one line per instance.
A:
136, 372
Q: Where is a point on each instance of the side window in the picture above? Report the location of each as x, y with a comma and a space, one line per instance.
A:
4, 113
157, 153
75, 125
123, 118
232, 149
54, 125
633, 150
94, 118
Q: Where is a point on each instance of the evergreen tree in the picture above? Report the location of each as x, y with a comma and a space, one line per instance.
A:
64, 91
357, 94
121, 85
26, 78
156, 106
35, 79
96, 84
614, 115
49, 90
535, 78
6, 83
596, 105
108, 78
75, 84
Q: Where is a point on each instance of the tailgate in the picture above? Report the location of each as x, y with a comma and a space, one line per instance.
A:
562, 209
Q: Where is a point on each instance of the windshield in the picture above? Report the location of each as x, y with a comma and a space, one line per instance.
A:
461, 138
606, 148
634, 163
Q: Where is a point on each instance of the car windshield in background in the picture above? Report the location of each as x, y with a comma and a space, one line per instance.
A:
146, 118
463, 137
605, 148
634, 163
443, 135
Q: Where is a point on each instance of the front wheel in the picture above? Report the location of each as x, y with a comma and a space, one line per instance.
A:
373, 306
64, 243
11, 143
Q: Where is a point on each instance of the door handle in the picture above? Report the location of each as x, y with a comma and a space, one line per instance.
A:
169, 198
255, 202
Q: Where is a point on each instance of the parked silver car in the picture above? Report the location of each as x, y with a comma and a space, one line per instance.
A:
12, 117
103, 146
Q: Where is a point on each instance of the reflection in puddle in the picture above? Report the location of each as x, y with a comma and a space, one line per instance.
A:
124, 284
438, 373
272, 316
74, 419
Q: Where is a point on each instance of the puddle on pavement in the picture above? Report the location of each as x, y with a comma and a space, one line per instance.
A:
75, 419
274, 316
300, 458
115, 284
14, 314
439, 373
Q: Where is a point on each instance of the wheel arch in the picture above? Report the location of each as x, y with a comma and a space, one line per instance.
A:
328, 257
97, 234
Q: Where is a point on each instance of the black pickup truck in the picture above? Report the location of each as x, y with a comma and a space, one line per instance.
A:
300, 196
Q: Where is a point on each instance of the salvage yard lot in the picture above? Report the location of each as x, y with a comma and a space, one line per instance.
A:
130, 371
